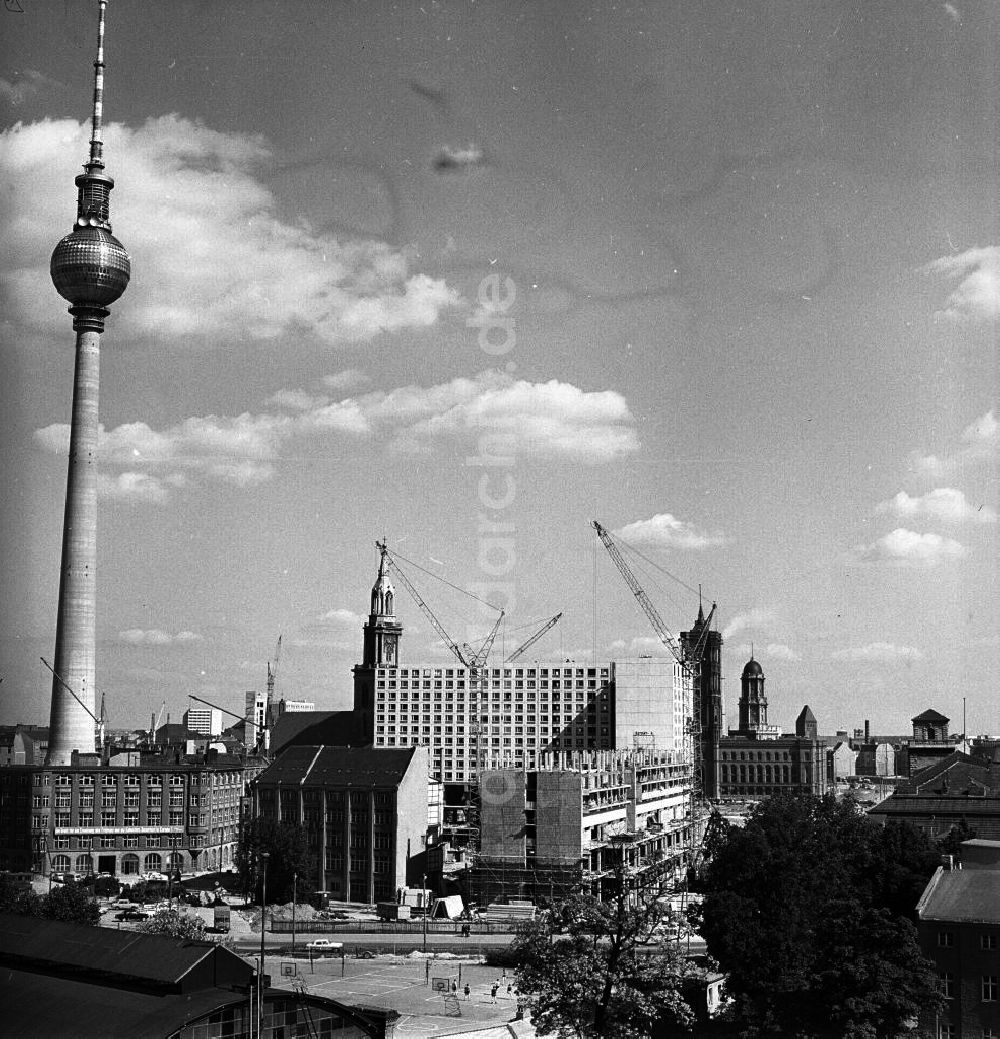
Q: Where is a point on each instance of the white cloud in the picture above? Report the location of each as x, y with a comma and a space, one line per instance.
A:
212, 262
640, 645
977, 295
943, 503
342, 616
879, 653
953, 13
157, 637
666, 531
980, 442
908, 548
25, 84
531, 420
348, 379
752, 620
779, 651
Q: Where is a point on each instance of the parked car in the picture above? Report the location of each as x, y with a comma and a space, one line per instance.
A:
321, 945
132, 914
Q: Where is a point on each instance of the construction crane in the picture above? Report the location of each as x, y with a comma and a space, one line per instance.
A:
272, 674
690, 661
478, 658
469, 658
528, 643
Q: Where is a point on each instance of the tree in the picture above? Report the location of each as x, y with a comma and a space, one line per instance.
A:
806, 909
582, 974
288, 847
70, 904
175, 924
18, 898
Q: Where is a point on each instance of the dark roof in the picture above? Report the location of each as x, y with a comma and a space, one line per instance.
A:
311, 728
752, 668
806, 715
362, 766
962, 895
37, 1004
101, 952
930, 716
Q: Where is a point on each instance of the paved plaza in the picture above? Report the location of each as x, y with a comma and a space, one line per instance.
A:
408, 987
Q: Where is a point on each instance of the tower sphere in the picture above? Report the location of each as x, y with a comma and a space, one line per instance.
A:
90, 267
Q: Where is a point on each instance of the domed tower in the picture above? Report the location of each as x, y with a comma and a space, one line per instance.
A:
90, 269
753, 702
382, 630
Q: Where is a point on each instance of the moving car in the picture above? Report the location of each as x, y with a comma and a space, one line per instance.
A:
320, 945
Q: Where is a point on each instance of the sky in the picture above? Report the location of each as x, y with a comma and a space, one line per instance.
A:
468, 276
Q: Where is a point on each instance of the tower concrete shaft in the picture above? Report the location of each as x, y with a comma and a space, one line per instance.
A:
91, 269
71, 721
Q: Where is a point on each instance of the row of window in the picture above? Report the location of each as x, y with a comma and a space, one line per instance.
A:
154, 780
111, 841
989, 987
496, 672
946, 940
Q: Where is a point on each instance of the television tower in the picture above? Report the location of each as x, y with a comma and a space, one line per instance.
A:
90, 269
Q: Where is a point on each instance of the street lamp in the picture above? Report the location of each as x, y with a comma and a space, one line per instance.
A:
423, 898
264, 856
295, 882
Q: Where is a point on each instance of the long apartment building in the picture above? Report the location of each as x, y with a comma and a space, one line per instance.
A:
512, 713
146, 813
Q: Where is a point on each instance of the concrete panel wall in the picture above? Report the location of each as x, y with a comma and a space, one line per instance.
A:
559, 817
502, 818
652, 703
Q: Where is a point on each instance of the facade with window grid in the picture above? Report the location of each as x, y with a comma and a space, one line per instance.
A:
511, 713
364, 811
959, 928
155, 814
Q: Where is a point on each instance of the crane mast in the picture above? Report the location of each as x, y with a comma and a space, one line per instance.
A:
690, 661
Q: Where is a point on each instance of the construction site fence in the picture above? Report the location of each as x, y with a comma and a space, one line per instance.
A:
407, 927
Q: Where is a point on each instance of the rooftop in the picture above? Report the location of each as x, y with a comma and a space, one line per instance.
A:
962, 896
360, 766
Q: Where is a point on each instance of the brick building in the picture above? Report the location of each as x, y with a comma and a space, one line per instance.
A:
364, 810
959, 928
139, 813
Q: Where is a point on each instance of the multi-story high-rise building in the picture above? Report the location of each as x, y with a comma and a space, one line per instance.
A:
510, 712
255, 715
581, 818
90, 269
207, 721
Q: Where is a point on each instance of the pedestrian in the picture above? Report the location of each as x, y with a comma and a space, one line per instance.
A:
454, 986
510, 989
468, 992
493, 992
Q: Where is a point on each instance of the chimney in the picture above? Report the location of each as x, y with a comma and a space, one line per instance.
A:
868, 730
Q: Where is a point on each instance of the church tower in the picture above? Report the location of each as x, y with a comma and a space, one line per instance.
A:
708, 675
90, 269
382, 630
